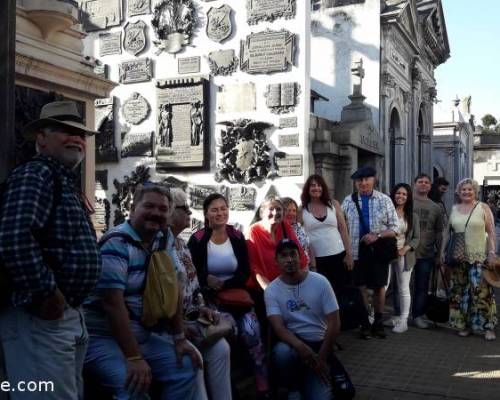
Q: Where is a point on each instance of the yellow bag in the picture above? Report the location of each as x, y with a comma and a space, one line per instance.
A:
161, 292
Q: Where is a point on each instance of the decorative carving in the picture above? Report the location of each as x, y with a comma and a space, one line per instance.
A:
135, 109
222, 62
188, 65
140, 70
101, 14
244, 152
138, 7
173, 22
198, 194
110, 43
135, 39
219, 26
358, 71
267, 52
137, 144
125, 192
269, 10
388, 80
105, 149
182, 140
281, 98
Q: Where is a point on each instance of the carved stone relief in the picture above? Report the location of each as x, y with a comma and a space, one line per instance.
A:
138, 7
101, 14
135, 109
105, 149
281, 98
219, 25
222, 62
182, 119
135, 38
267, 52
244, 152
133, 71
269, 10
173, 22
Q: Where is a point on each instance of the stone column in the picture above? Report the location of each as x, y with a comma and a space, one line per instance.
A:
7, 85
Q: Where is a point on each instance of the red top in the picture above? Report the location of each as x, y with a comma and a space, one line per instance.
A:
262, 252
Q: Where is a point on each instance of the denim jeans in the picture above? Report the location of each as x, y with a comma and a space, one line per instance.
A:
291, 373
423, 269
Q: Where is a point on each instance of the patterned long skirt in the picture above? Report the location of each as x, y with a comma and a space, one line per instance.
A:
472, 301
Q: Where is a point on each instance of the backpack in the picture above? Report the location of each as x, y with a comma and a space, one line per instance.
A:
5, 280
160, 292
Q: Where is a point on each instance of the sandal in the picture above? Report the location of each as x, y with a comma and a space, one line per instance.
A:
464, 333
489, 336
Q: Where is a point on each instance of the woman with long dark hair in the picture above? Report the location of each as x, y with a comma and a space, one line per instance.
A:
325, 225
407, 239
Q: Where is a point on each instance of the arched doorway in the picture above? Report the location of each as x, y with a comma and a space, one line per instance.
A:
394, 133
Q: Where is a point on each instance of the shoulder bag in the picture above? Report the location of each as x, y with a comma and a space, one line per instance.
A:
456, 251
438, 307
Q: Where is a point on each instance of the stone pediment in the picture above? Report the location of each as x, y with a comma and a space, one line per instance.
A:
404, 15
435, 36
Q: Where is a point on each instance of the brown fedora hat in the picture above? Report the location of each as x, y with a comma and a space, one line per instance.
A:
491, 273
60, 114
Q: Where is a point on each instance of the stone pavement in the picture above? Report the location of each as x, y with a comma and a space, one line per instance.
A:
429, 364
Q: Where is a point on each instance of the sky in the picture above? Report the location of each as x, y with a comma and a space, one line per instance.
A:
474, 66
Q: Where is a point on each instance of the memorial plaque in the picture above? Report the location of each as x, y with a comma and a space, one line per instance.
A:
289, 165
281, 98
137, 144
138, 7
102, 71
269, 10
236, 98
105, 149
267, 52
110, 43
135, 109
222, 62
182, 136
219, 26
140, 70
242, 198
188, 65
135, 39
198, 194
288, 122
288, 140
101, 14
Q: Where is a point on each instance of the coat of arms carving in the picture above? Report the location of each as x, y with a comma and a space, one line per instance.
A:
219, 26
134, 40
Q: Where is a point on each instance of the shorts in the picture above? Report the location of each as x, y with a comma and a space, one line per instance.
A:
370, 274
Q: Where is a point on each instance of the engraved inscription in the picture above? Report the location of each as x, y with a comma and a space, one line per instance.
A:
288, 122
288, 140
133, 71
269, 10
289, 165
188, 65
110, 43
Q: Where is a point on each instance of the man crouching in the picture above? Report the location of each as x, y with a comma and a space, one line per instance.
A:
303, 311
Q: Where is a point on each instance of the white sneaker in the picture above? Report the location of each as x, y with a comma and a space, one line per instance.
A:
420, 323
400, 327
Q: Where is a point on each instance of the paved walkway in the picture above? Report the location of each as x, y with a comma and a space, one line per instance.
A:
432, 364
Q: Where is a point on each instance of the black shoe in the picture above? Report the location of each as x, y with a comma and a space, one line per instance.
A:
365, 332
378, 330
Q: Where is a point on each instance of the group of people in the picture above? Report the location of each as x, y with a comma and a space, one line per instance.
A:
77, 305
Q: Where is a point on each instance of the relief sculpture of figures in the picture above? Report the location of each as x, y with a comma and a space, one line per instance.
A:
165, 120
196, 123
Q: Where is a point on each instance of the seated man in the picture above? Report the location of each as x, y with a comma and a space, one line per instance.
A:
122, 354
303, 311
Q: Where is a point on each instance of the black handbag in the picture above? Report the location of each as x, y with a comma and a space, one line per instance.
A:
438, 307
456, 251
383, 251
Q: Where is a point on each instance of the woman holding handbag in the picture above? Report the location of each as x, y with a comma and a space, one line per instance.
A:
472, 244
215, 350
407, 239
220, 256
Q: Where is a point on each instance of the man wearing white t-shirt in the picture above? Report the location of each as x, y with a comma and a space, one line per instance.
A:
303, 311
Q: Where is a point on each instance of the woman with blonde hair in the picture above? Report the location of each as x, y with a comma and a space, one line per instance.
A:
472, 302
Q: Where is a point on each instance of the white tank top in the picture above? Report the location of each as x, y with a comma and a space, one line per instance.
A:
324, 236
221, 261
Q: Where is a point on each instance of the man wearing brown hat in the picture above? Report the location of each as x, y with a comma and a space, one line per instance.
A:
48, 258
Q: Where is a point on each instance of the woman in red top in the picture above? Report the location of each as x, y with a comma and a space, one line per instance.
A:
262, 239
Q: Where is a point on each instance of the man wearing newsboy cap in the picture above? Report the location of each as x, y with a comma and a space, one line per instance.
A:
49, 260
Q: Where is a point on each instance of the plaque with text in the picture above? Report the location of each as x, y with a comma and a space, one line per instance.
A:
269, 10
242, 198
236, 98
288, 140
101, 14
281, 98
188, 65
198, 194
288, 122
110, 43
135, 109
105, 149
289, 165
138, 7
267, 52
182, 135
133, 71
137, 144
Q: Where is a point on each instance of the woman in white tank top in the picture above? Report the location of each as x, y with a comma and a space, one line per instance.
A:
325, 225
